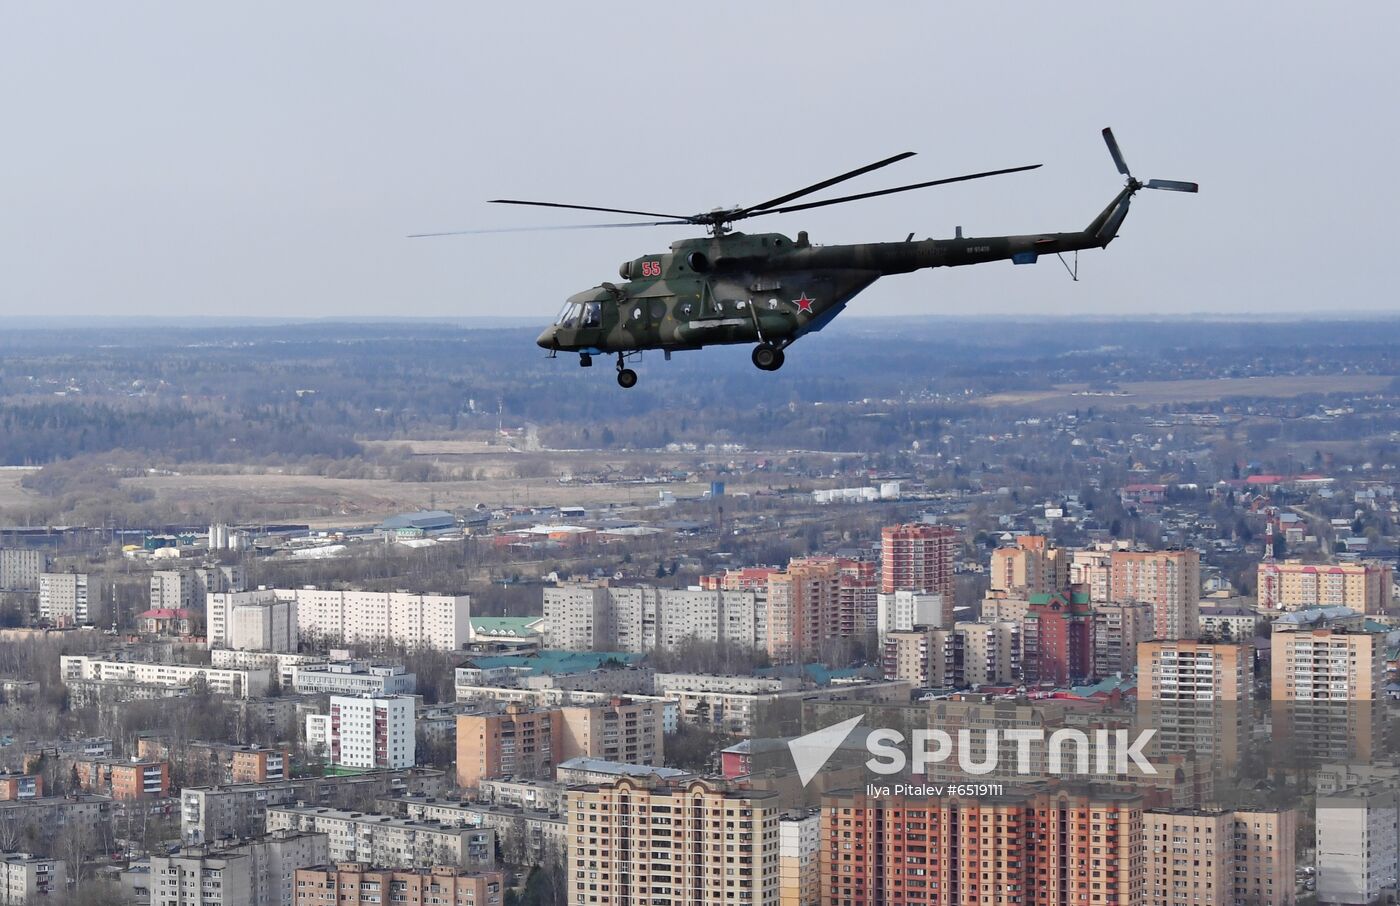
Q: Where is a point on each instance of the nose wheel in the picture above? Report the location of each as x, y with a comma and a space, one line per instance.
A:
767, 357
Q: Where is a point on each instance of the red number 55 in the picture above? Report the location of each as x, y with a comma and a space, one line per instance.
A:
651, 268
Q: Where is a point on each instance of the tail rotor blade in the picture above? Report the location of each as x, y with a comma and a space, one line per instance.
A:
1117, 155
1172, 185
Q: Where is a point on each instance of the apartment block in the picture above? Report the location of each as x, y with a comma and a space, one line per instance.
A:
969, 654
516, 741
63, 598
353, 678
177, 589
901, 611
1057, 636
620, 730
26, 879
15, 786
1292, 585
252, 621
1118, 628
528, 836
225, 763
1030, 566
1358, 844
358, 884
1052, 849
1221, 858
1326, 690
1198, 693
799, 859
698, 843
370, 732
803, 609
258, 872
920, 557
369, 618
386, 840
234, 683
1168, 580
124, 780
20, 568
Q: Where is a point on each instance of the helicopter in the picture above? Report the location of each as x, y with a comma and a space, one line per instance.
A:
768, 289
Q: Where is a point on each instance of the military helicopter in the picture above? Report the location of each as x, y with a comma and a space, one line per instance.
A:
768, 289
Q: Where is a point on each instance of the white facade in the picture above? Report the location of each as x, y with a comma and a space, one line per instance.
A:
63, 598
235, 683
643, 618
20, 568
369, 617
903, 610
26, 879
353, 678
252, 621
1357, 850
367, 732
576, 617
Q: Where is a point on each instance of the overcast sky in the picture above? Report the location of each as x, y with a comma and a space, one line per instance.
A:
267, 159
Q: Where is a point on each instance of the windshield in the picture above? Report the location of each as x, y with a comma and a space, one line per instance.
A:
570, 315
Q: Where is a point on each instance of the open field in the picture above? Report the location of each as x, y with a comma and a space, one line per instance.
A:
11, 494
1156, 393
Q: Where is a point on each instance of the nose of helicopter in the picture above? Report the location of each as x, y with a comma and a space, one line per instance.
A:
546, 338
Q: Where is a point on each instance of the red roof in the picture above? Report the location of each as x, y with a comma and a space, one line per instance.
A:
164, 613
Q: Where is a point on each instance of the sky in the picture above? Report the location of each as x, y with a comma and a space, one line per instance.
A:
268, 159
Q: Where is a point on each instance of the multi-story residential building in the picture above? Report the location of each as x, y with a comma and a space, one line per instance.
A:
124, 780
27, 879
1197, 693
258, 872
901, 611
63, 598
619, 730
1057, 637
1228, 622
697, 843
357, 884
183, 589
259, 620
353, 678
517, 741
1291, 585
1326, 690
1052, 848
1093, 570
225, 763
804, 609
1358, 856
389, 841
87, 813
920, 557
1030, 566
991, 652
79, 668
368, 617
1216, 857
212, 813
999, 605
969, 654
528, 836
20, 568
799, 861
1117, 630
282, 665
14, 786
858, 598
578, 617
1168, 580
370, 732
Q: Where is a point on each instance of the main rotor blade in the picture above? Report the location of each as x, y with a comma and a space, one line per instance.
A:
535, 229
917, 185
817, 187
1172, 185
585, 207
1113, 149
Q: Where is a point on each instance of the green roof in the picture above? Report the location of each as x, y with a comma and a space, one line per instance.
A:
551, 662
516, 626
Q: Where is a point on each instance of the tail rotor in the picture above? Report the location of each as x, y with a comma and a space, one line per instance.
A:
1170, 185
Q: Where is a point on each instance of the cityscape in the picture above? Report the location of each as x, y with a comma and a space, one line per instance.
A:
740, 454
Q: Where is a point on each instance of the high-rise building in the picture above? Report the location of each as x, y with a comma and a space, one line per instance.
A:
578, 617
63, 598
1030, 566
251, 621
258, 872
1293, 585
799, 859
901, 611
357, 884
1358, 844
1326, 691
1117, 630
517, 741
1168, 580
920, 557
969, 654
21, 567
1057, 638
620, 730
1053, 849
692, 844
804, 609
1198, 693
386, 840
1216, 857
991, 652
858, 597
368, 732
1093, 570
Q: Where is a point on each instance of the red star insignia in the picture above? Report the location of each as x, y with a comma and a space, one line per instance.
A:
803, 304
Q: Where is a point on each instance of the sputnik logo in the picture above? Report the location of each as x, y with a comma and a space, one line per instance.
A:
811, 752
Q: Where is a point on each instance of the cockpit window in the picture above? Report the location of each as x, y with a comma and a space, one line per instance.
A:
571, 315
593, 315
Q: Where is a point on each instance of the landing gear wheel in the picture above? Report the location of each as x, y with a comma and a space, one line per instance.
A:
767, 357
585, 360
626, 378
